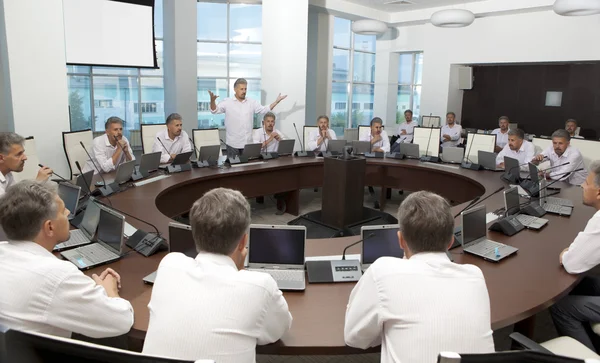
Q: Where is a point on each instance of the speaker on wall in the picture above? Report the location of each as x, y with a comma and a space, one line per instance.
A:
465, 78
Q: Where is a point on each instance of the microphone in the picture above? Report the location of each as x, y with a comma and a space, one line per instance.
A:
163, 145
84, 181
302, 152
556, 166
68, 181
230, 148
469, 164
196, 151
106, 190
563, 175
355, 243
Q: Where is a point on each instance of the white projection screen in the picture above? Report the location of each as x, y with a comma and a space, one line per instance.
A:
109, 33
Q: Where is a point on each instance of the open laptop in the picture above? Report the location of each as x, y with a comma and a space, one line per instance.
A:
252, 151
180, 159
512, 170
379, 241
69, 193
124, 172
453, 155
148, 163
109, 242
512, 203
280, 252
84, 181
550, 207
336, 146
361, 147
411, 151
210, 154
87, 228
474, 236
180, 240
488, 160
286, 147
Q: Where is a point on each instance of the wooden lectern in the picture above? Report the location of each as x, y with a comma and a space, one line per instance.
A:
343, 191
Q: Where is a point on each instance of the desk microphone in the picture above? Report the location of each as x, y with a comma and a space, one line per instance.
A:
106, 190
163, 145
355, 243
196, 151
84, 180
426, 158
233, 155
68, 181
303, 152
469, 164
556, 166
563, 175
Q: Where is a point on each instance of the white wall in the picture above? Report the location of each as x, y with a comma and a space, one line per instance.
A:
33, 49
386, 80
319, 65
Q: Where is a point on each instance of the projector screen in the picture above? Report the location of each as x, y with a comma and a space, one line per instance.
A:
110, 33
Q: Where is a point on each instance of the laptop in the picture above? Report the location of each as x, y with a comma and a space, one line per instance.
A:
379, 241
148, 163
180, 240
210, 154
512, 203
180, 159
512, 170
124, 172
474, 236
286, 147
411, 151
69, 193
488, 160
87, 228
252, 151
336, 146
361, 147
453, 155
84, 181
109, 242
550, 207
280, 252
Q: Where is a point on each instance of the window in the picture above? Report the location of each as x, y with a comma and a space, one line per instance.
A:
353, 77
410, 74
136, 95
340, 105
229, 37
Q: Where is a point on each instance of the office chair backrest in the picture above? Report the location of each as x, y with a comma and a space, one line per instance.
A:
589, 149
520, 356
73, 149
149, 132
306, 134
31, 165
206, 137
541, 144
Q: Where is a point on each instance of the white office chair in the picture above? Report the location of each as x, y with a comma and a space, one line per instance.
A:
206, 137
306, 135
351, 134
73, 149
563, 346
577, 130
31, 165
149, 132
512, 126
135, 139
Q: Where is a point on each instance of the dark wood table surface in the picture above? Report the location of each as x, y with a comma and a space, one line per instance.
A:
519, 286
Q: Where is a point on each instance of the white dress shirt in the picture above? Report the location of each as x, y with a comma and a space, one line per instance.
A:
575, 160
239, 118
525, 154
6, 181
410, 131
453, 132
418, 307
501, 138
260, 136
584, 252
102, 153
180, 144
314, 136
383, 144
204, 308
43, 294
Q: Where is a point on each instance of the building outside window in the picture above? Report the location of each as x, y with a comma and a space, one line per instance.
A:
410, 74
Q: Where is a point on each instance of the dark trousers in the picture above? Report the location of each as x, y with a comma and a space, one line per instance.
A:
574, 314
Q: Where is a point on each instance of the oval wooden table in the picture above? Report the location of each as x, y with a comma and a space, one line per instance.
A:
519, 286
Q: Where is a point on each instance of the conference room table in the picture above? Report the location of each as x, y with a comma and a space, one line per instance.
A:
519, 286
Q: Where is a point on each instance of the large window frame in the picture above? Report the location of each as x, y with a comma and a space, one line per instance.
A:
415, 85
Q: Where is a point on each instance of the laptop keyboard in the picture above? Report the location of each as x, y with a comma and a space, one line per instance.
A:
486, 247
76, 238
559, 201
526, 220
96, 253
556, 209
285, 275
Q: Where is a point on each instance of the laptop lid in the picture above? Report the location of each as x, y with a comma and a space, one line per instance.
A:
280, 247
111, 226
336, 145
410, 150
124, 171
453, 154
210, 152
69, 193
533, 173
181, 239
379, 241
473, 224
487, 159
511, 166
286, 147
90, 220
427, 138
182, 158
361, 147
512, 203
252, 150
85, 180
150, 161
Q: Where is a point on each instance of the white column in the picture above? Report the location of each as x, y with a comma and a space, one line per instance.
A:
284, 61
180, 72
319, 67
34, 81
386, 80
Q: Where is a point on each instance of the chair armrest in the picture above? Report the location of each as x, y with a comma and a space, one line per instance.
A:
528, 343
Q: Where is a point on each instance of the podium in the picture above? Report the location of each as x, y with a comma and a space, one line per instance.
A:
343, 191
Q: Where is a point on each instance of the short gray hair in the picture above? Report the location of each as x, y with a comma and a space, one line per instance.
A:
173, 117
112, 120
239, 81
571, 120
25, 207
376, 120
561, 133
426, 222
504, 118
269, 114
219, 219
8, 139
517, 132
595, 168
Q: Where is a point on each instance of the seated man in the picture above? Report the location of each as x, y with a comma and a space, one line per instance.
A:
573, 313
406, 129
423, 304
378, 138
571, 127
501, 133
517, 148
318, 139
450, 131
41, 293
106, 154
12, 158
210, 307
562, 152
173, 140
268, 135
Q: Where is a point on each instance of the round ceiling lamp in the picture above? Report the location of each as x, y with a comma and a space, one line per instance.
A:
369, 27
452, 18
577, 7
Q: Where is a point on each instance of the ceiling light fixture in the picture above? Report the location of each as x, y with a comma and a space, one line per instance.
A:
452, 18
576, 7
369, 27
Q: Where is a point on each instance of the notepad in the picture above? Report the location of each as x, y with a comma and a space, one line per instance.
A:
150, 180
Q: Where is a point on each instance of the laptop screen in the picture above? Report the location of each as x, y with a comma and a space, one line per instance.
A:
69, 193
379, 243
533, 173
110, 229
512, 201
91, 216
85, 180
512, 166
181, 240
277, 246
473, 224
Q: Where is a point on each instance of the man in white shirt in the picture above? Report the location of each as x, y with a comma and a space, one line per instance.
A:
210, 307
12, 159
571, 127
406, 129
423, 304
501, 133
239, 114
173, 140
41, 293
573, 313
561, 152
517, 148
111, 149
377, 137
451, 131
319, 139
268, 135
